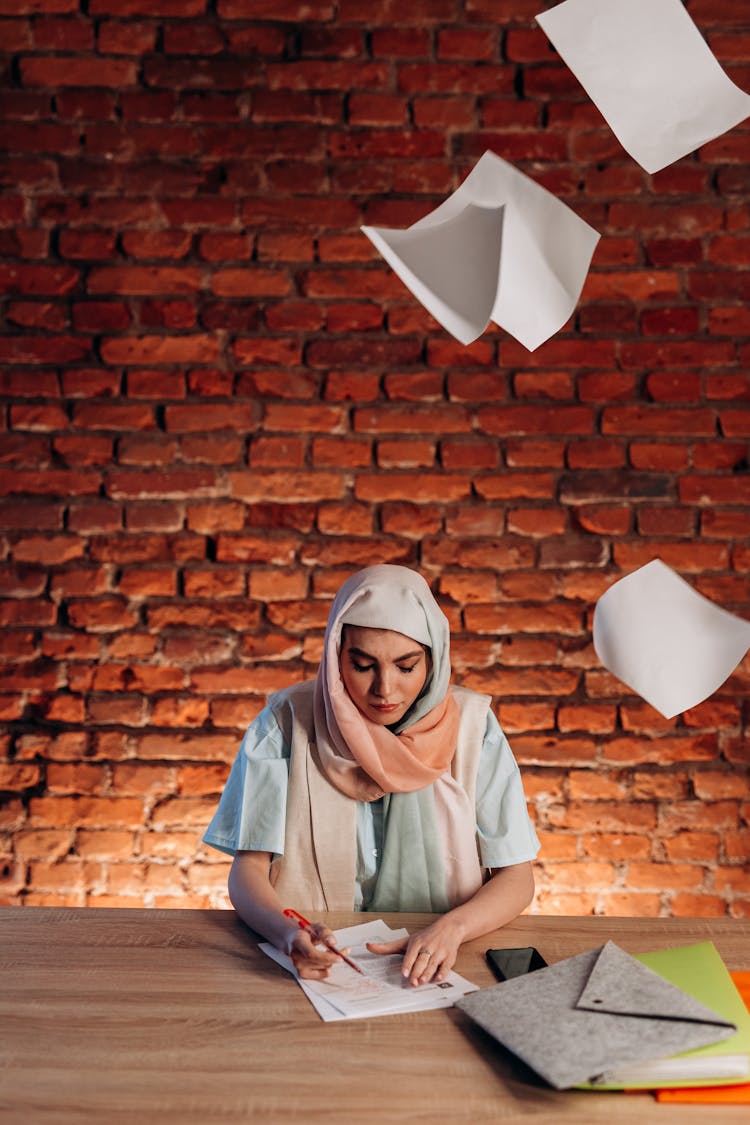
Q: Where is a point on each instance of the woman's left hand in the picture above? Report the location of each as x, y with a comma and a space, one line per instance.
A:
429, 954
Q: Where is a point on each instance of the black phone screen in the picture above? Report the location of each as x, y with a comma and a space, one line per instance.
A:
508, 963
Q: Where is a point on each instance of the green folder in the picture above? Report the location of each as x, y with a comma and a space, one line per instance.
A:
700, 972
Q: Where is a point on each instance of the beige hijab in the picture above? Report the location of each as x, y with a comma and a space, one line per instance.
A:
365, 760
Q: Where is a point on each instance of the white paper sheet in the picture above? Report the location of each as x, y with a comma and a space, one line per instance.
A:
665, 641
499, 248
346, 994
650, 72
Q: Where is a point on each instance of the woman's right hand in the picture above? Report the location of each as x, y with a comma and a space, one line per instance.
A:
311, 959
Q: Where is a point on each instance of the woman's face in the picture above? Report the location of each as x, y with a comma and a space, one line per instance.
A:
383, 671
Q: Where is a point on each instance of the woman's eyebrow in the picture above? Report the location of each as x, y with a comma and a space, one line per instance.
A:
396, 660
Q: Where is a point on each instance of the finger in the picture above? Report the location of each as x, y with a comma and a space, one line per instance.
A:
320, 933
305, 949
445, 967
321, 936
311, 969
397, 946
310, 972
429, 971
416, 964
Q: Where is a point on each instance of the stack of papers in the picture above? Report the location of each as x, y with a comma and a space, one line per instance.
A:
648, 69
606, 1020
380, 989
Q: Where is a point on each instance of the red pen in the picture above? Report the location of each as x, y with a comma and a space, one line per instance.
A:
305, 925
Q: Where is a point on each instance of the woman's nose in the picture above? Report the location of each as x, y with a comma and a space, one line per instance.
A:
381, 683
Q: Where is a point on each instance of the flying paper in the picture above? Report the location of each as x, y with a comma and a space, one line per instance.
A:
500, 248
665, 641
648, 69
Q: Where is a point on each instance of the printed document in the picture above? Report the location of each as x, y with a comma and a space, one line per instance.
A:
380, 990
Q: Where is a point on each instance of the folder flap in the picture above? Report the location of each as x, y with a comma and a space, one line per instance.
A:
621, 985
537, 1017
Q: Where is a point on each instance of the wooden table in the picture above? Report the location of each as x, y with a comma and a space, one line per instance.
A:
154, 1017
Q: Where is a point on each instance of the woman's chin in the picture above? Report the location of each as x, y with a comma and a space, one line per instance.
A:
385, 716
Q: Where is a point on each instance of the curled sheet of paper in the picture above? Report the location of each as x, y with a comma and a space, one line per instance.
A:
648, 69
665, 641
499, 248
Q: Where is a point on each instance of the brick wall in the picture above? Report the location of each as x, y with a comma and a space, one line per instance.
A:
216, 402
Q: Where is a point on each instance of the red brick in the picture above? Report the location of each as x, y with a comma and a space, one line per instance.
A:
536, 522
698, 906
160, 349
61, 71
353, 318
448, 112
729, 524
420, 488
131, 38
439, 420
276, 452
658, 420
443, 352
86, 812
213, 416
658, 455
666, 521
538, 454
544, 385
663, 749
405, 454
592, 717
135, 280
692, 353
303, 417
704, 489
40, 418
38, 280
377, 109
535, 420
410, 520
470, 454
730, 321
735, 423
616, 846
666, 219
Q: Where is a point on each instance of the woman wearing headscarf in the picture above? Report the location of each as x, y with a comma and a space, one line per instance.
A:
378, 786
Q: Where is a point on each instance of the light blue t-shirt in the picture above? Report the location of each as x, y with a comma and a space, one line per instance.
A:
252, 811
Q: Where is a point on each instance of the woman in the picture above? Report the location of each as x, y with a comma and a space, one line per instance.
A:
378, 787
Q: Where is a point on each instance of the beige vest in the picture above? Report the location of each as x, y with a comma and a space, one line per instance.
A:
318, 865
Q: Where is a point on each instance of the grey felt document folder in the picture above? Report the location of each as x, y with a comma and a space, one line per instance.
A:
589, 1014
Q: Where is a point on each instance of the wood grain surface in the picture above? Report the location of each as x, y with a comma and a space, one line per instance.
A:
174, 1016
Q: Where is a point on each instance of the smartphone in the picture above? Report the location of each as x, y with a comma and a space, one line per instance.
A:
507, 963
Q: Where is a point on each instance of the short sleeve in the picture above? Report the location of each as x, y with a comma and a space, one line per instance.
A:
252, 810
504, 830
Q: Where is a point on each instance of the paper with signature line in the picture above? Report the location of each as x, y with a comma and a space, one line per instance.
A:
499, 248
381, 991
648, 69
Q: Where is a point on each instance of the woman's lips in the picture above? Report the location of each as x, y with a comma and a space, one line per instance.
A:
385, 707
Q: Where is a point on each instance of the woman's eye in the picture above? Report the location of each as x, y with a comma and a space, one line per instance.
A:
406, 669
361, 667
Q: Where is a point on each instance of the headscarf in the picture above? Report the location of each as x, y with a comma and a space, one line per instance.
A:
364, 759
430, 857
